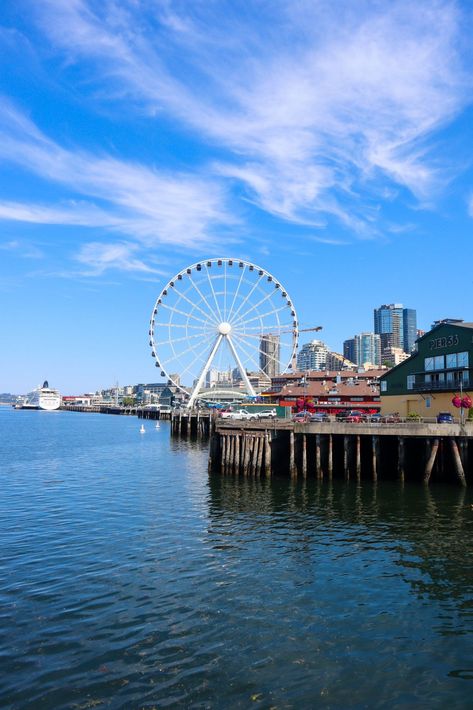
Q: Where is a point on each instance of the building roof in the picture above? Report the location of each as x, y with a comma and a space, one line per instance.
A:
329, 389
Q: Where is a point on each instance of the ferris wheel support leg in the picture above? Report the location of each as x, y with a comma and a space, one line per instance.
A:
248, 384
203, 374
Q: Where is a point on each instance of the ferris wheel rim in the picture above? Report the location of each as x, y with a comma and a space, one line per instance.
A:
208, 262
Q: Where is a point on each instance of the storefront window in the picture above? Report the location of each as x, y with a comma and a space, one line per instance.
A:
411, 381
439, 362
462, 359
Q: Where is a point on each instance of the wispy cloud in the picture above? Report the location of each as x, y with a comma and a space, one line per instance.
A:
151, 205
99, 257
23, 248
315, 102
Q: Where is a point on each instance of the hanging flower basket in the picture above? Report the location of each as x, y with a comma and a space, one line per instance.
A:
456, 401
466, 402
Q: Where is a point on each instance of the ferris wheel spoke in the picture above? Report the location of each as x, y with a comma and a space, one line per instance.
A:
178, 340
200, 355
248, 296
268, 313
237, 290
194, 305
183, 313
263, 352
212, 311
191, 348
170, 324
254, 307
213, 293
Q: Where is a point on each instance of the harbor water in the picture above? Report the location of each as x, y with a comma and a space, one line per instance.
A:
130, 578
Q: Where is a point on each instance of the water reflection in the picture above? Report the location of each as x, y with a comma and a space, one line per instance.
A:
429, 530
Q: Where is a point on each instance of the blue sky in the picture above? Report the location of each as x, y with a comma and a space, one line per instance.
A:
330, 142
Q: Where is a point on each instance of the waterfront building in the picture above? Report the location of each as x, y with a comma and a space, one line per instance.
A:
312, 356
363, 348
328, 392
269, 357
396, 326
425, 383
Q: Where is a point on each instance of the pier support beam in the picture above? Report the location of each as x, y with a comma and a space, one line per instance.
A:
431, 460
458, 462
267, 454
292, 458
318, 466
358, 457
304, 455
375, 456
330, 457
401, 453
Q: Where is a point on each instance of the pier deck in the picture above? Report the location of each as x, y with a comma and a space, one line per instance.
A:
415, 451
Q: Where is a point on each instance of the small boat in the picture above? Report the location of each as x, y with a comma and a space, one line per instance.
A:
157, 425
142, 430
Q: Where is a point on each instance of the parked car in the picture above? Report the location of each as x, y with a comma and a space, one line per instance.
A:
301, 416
238, 414
341, 416
444, 418
355, 416
319, 417
375, 418
391, 418
267, 414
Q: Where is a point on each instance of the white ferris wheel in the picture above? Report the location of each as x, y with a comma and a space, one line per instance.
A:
225, 317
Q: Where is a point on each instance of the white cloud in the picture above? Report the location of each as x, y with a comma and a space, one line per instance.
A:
316, 102
100, 257
153, 206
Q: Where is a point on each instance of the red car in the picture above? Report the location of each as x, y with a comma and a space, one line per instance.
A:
355, 417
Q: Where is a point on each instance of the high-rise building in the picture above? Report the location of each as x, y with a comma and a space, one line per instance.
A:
396, 326
409, 329
363, 348
312, 356
269, 355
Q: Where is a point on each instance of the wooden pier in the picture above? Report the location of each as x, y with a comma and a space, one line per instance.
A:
407, 451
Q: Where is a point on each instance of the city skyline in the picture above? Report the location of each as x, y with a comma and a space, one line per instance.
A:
330, 146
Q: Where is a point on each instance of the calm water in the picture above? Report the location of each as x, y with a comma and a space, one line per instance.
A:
130, 579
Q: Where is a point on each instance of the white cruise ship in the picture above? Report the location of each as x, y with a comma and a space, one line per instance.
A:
44, 397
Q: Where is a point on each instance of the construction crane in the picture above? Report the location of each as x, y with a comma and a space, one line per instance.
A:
300, 330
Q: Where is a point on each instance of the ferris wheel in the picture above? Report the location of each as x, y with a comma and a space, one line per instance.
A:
222, 320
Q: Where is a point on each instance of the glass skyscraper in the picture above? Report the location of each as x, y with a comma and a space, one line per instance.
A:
363, 348
396, 326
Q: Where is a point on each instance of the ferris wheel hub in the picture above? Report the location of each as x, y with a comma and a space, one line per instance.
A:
224, 328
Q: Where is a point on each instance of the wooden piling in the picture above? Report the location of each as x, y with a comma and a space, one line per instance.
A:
458, 462
430, 461
253, 444
401, 455
236, 469
375, 456
330, 457
346, 445
267, 454
292, 460
358, 457
246, 457
304, 455
259, 466
318, 466
223, 451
